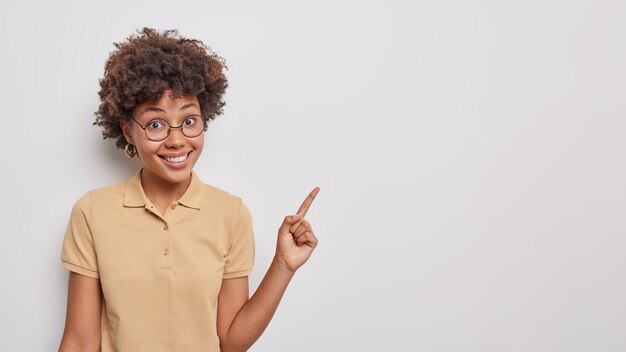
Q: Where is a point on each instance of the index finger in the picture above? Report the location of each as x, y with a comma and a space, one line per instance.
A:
307, 202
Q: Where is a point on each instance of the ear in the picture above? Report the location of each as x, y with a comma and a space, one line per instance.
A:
126, 131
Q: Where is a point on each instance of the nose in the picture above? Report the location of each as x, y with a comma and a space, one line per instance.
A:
176, 139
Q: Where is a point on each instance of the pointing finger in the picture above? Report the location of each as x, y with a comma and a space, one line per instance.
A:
307, 202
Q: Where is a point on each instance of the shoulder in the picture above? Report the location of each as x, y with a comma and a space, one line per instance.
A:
225, 202
107, 193
100, 194
216, 194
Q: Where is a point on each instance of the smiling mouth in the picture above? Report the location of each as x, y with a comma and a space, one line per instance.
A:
178, 159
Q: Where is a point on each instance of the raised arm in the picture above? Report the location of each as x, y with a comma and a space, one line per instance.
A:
82, 320
241, 321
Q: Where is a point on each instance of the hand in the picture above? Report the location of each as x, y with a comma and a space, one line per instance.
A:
296, 240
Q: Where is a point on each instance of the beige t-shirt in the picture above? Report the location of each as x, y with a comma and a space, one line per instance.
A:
160, 275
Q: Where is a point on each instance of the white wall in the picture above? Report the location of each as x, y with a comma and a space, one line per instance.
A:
471, 158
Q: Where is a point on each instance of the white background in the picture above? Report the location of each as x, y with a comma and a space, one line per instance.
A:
471, 158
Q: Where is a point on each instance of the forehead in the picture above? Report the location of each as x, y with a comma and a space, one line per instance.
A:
167, 102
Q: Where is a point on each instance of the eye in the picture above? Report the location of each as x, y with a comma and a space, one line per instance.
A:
191, 120
155, 124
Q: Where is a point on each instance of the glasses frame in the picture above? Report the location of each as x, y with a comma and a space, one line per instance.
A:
170, 127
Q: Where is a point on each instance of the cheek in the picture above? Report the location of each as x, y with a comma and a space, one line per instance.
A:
146, 148
199, 144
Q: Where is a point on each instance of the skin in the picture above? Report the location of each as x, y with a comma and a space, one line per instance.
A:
162, 184
240, 319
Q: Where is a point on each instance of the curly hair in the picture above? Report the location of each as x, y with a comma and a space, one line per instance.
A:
147, 64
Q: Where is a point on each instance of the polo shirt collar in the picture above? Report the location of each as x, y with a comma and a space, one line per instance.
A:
134, 195
194, 195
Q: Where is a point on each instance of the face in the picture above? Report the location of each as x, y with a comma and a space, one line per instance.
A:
172, 159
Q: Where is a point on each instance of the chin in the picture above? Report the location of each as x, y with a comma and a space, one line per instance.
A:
179, 177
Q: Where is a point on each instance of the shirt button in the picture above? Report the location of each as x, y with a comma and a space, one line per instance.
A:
173, 206
165, 227
166, 251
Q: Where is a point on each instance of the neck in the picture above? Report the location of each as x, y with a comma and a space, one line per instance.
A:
161, 191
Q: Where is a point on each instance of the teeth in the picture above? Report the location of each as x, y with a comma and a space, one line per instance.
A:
177, 159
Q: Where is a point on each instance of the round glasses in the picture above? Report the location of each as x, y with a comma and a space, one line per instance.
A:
158, 129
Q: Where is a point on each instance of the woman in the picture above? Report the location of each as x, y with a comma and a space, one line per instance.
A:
161, 262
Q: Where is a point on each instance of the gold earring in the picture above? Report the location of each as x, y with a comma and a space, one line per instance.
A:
130, 150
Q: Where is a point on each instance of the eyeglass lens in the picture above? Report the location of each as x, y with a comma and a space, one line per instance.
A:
159, 129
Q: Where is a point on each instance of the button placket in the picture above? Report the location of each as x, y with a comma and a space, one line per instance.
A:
151, 208
165, 251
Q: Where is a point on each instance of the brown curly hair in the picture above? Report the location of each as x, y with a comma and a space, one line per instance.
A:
147, 64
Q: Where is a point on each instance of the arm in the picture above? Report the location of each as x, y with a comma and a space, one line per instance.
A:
241, 321
82, 322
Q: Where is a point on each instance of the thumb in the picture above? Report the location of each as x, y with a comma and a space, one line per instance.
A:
289, 220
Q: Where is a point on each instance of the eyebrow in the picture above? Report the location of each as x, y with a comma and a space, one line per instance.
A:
157, 109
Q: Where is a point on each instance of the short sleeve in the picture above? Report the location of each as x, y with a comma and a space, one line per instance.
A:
78, 253
239, 257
